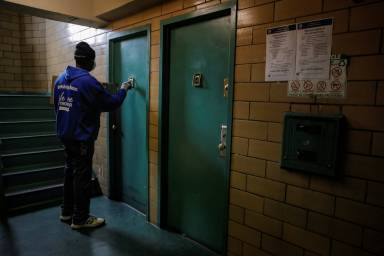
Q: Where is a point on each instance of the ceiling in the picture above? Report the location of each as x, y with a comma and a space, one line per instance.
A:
94, 13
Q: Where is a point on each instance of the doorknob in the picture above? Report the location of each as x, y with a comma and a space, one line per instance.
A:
223, 140
114, 127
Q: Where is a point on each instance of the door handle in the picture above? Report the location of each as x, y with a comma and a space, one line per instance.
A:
226, 87
114, 127
223, 140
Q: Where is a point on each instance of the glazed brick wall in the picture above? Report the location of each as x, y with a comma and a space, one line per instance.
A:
10, 64
301, 214
22, 53
33, 54
274, 211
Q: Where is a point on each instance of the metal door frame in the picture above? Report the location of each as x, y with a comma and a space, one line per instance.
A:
227, 9
113, 138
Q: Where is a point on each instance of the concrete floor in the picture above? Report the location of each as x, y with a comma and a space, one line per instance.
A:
41, 233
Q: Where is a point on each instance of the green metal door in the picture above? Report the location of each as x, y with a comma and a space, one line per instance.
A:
197, 176
131, 58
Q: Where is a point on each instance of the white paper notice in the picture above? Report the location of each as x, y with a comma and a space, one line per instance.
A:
334, 87
281, 53
314, 43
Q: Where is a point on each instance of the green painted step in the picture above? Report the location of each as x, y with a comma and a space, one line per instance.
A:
32, 186
32, 158
37, 127
20, 160
33, 166
29, 176
9, 100
31, 113
28, 143
30, 196
35, 206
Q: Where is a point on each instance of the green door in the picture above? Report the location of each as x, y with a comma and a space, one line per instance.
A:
131, 58
197, 176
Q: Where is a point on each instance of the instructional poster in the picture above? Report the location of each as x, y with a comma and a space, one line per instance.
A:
281, 53
314, 43
334, 87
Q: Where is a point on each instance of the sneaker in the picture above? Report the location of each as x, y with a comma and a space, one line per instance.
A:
65, 218
91, 222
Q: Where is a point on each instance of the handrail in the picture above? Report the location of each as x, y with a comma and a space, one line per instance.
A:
3, 210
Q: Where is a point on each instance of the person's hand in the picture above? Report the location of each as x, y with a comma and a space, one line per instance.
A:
127, 85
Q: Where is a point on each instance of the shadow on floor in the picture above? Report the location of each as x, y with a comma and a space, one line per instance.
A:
126, 233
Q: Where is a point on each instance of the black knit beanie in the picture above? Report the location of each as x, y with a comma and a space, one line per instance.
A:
84, 56
84, 51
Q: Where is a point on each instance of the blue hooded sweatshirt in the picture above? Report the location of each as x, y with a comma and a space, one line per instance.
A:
79, 100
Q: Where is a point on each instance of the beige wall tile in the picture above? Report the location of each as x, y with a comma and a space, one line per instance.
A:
337, 229
244, 233
295, 8
309, 199
285, 212
279, 247
256, 15
248, 165
306, 239
263, 223
360, 213
246, 200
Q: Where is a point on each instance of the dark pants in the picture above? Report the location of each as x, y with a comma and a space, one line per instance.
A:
77, 180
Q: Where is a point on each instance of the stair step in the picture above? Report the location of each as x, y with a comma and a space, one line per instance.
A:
56, 194
31, 155
29, 176
22, 188
23, 100
23, 198
35, 206
24, 159
31, 113
27, 127
28, 142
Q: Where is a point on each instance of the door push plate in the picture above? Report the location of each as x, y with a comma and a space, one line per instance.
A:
226, 87
131, 81
223, 140
197, 80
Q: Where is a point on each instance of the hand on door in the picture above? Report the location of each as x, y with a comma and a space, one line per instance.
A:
129, 84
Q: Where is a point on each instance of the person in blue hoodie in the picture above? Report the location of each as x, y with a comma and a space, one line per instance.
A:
79, 100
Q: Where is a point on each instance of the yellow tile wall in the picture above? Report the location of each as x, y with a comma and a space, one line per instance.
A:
23, 65
10, 64
33, 54
318, 216
274, 211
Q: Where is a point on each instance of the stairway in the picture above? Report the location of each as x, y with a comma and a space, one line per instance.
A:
31, 157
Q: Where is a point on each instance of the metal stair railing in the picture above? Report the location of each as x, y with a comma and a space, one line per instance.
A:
3, 209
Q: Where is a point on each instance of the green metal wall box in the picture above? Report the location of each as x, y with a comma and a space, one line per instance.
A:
311, 143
